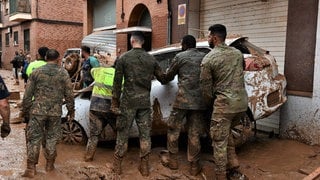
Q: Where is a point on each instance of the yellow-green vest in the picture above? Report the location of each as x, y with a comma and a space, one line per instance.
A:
34, 65
103, 81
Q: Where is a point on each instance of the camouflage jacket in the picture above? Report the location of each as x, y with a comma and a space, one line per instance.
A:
137, 68
222, 79
49, 85
187, 66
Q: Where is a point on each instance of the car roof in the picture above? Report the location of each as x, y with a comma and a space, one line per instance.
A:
200, 44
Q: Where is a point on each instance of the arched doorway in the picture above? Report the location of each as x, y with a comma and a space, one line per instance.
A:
140, 17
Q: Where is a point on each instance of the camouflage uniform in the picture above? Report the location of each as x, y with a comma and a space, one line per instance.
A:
222, 79
137, 68
49, 85
189, 102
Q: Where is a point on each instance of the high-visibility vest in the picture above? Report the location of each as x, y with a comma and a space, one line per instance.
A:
103, 81
34, 65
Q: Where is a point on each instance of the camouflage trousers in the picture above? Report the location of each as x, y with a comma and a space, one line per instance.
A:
124, 123
195, 127
42, 129
98, 121
222, 139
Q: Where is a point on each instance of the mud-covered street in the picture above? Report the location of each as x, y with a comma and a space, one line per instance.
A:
260, 158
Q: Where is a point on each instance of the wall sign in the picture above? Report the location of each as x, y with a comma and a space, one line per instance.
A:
182, 10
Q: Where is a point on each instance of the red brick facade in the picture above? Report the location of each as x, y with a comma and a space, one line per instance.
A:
159, 18
56, 24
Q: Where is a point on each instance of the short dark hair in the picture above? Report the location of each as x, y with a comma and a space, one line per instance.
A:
52, 55
85, 49
42, 51
138, 35
189, 41
218, 30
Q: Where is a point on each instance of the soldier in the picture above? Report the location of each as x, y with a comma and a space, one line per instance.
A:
189, 104
100, 115
4, 109
137, 68
222, 81
47, 88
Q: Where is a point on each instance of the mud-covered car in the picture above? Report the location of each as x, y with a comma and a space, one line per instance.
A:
265, 88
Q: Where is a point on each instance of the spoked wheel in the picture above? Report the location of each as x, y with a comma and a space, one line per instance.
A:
73, 133
242, 132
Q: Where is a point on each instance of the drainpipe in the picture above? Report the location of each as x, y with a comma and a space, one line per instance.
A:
169, 29
37, 9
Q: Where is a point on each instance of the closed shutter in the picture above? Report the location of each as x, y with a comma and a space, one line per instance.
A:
263, 21
102, 41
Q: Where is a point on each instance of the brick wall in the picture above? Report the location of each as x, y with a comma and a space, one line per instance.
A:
55, 24
63, 10
158, 13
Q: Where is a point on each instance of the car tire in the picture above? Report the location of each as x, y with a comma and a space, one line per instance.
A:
73, 133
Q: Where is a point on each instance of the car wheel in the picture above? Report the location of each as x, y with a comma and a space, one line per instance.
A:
242, 132
73, 133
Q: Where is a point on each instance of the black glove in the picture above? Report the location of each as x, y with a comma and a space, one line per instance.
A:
5, 130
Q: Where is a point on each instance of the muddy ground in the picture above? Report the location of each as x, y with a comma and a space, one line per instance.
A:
261, 157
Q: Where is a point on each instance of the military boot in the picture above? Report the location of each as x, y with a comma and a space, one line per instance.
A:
235, 174
221, 176
50, 165
30, 171
195, 168
91, 150
233, 162
117, 164
144, 166
172, 162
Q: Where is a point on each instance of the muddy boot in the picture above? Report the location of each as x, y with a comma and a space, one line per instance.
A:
233, 162
144, 166
30, 171
89, 153
50, 165
195, 168
221, 176
117, 164
172, 162
236, 175
91, 148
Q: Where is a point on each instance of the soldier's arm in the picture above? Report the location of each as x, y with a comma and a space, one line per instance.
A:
68, 95
28, 94
206, 81
117, 81
171, 71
